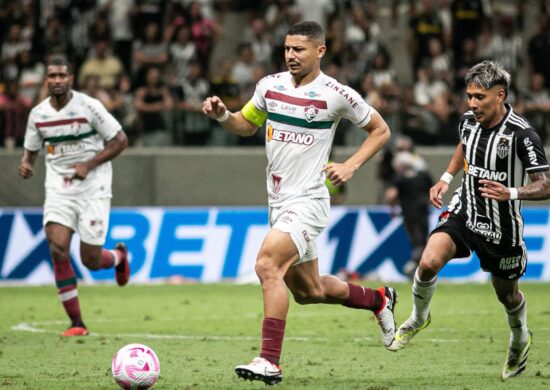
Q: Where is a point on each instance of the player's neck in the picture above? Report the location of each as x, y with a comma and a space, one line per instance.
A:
58, 102
300, 81
499, 116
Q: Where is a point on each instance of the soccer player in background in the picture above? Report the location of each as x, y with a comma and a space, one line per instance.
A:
81, 137
498, 149
303, 107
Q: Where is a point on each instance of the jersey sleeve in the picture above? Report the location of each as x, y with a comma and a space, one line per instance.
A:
530, 151
258, 100
353, 107
102, 121
33, 139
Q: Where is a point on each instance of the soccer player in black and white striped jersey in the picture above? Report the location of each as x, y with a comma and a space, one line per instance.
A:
498, 151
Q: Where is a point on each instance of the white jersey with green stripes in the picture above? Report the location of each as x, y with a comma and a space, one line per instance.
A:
300, 127
72, 135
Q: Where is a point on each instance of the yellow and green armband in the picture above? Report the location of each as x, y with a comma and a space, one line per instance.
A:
253, 115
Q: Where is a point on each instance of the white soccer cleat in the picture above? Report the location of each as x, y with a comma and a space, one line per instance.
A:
385, 317
260, 369
406, 332
516, 360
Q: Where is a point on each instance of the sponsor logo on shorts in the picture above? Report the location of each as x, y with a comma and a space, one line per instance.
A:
306, 236
276, 182
443, 217
507, 263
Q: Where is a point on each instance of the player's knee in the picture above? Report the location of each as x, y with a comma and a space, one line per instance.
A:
58, 252
265, 268
429, 266
507, 298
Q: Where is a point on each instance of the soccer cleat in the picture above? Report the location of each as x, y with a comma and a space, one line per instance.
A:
385, 317
122, 270
516, 360
75, 331
260, 369
406, 332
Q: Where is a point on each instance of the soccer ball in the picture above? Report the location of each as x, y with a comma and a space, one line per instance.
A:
135, 366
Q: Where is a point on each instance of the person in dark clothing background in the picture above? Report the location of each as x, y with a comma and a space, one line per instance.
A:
410, 187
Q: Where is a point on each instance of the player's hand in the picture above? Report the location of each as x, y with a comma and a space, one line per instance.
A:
494, 190
80, 171
26, 170
338, 174
213, 107
436, 193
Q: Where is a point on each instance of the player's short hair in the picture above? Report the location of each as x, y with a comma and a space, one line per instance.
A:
310, 29
60, 61
487, 74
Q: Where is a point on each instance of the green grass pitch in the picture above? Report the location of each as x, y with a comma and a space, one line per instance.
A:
201, 331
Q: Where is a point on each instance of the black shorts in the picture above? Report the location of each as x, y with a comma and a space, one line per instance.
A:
505, 262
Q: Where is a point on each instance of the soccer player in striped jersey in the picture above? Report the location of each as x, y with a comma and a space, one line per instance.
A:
302, 108
498, 151
80, 138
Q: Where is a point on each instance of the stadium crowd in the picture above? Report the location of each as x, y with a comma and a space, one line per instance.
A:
150, 62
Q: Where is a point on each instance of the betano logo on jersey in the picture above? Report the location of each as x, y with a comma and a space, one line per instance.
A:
288, 136
483, 173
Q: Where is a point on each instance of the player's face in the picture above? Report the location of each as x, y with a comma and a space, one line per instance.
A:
58, 80
302, 55
485, 103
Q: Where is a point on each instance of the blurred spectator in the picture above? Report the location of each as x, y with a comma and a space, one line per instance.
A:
125, 112
147, 12
423, 26
31, 75
258, 37
410, 189
204, 33
182, 52
120, 21
468, 18
439, 61
431, 108
537, 105
14, 116
318, 13
56, 40
463, 64
192, 126
148, 51
226, 88
539, 49
11, 48
91, 86
102, 64
243, 66
153, 103
505, 46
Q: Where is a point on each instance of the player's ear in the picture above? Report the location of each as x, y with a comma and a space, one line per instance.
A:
321, 50
501, 94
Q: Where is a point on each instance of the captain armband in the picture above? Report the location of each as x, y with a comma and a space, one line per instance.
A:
253, 114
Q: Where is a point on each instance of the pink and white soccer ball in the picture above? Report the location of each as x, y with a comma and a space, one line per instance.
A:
135, 366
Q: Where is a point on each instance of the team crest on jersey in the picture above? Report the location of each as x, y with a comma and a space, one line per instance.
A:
503, 147
75, 126
311, 112
276, 181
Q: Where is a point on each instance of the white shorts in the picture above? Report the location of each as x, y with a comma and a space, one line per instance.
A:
88, 217
304, 220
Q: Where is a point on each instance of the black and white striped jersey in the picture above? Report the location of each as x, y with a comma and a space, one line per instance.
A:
506, 154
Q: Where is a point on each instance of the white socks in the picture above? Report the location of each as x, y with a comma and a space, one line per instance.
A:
517, 319
422, 296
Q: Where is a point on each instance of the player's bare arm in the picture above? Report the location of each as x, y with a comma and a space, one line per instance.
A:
537, 189
379, 134
442, 186
113, 148
26, 169
236, 123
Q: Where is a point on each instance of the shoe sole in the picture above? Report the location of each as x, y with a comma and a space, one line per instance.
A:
252, 376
